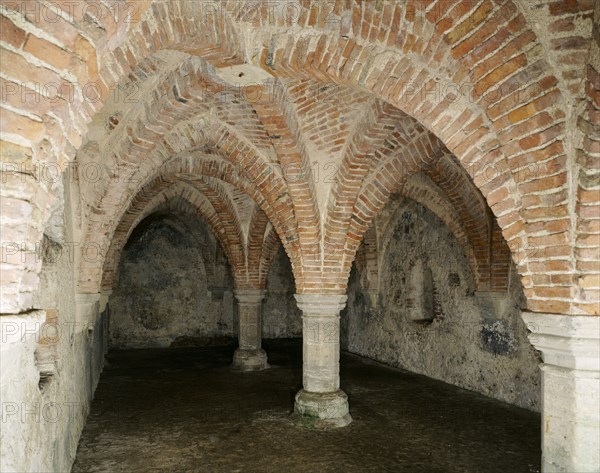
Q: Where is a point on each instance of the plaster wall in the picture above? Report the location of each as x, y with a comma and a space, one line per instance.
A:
51, 358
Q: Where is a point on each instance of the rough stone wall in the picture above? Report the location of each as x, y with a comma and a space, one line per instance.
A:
427, 317
281, 316
175, 287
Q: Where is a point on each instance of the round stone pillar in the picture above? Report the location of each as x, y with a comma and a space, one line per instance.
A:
321, 403
250, 356
570, 346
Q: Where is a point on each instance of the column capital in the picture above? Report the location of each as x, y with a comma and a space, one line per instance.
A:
249, 296
321, 304
566, 341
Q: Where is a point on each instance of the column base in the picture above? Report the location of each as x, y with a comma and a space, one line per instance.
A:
321, 410
249, 360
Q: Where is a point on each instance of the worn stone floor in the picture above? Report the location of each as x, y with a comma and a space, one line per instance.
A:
183, 410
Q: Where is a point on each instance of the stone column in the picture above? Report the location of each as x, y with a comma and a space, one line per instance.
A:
250, 356
321, 403
570, 347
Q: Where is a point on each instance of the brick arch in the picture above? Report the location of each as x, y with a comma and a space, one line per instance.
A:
426, 173
475, 216
386, 178
244, 180
147, 135
191, 84
190, 167
256, 235
154, 196
268, 188
495, 130
381, 129
232, 233
280, 118
180, 25
263, 244
385, 131
203, 198
250, 260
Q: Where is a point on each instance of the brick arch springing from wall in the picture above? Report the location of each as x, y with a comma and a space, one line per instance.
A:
443, 187
587, 229
424, 191
386, 131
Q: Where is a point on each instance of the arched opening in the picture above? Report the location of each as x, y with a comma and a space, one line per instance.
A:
165, 295
175, 288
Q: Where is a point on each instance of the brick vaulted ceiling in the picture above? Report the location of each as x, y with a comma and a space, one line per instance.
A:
296, 121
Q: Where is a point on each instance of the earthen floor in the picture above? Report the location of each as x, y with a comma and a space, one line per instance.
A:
184, 410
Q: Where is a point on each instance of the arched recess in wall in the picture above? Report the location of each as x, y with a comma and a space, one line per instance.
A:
421, 287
